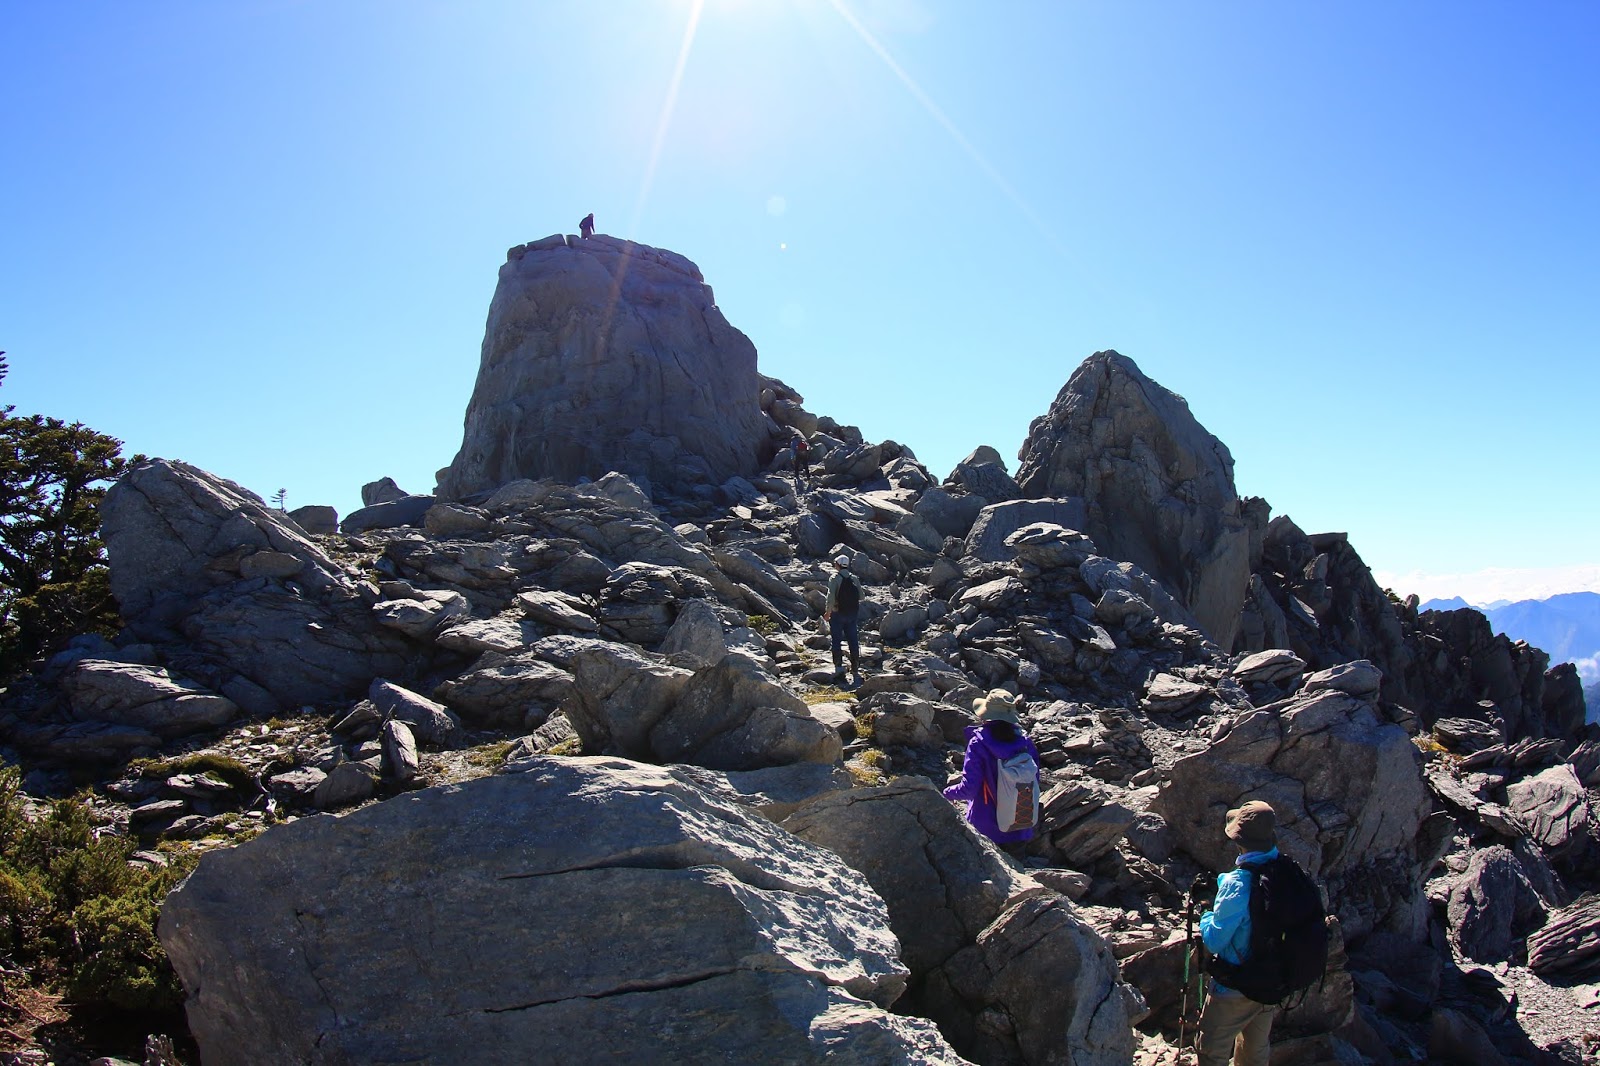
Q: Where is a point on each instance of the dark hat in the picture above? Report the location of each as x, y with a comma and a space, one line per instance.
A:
1253, 826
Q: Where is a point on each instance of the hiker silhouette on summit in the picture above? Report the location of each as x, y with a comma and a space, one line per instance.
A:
586, 227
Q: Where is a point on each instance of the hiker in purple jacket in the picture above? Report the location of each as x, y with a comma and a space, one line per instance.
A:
995, 738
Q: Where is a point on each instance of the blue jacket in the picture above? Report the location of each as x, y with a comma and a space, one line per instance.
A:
1226, 927
979, 771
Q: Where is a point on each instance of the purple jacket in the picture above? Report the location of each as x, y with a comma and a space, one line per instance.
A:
977, 785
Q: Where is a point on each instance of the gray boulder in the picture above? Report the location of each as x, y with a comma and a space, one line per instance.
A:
604, 355
986, 541
981, 939
1159, 489
1493, 906
736, 716
392, 514
1349, 794
431, 723
177, 539
1555, 807
145, 697
384, 490
619, 694
724, 938
317, 519
506, 691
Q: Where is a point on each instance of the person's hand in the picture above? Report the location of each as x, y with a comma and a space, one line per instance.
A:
826, 615
1202, 888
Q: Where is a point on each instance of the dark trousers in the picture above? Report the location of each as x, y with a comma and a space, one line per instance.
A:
842, 628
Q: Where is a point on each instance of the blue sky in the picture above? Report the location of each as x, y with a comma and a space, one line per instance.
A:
1361, 239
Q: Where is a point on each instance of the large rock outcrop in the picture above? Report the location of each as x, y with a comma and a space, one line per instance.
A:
264, 616
1159, 488
602, 355
982, 941
579, 911
1349, 793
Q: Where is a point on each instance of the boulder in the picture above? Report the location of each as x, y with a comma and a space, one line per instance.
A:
605, 355
432, 725
1158, 488
145, 697
507, 691
1271, 667
1493, 906
316, 519
392, 514
421, 618
725, 938
176, 537
980, 938
735, 716
1348, 791
987, 540
557, 609
1049, 546
619, 694
950, 514
384, 490
1555, 808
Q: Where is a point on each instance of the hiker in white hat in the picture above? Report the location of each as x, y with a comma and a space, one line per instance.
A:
843, 614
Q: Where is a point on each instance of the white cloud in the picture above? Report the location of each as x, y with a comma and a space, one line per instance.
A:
1588, 669
1481, 587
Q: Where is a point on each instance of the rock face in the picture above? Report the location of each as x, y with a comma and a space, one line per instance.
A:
981, 940
269, 620
590, 909
1159, 488
605, 355
1349, 793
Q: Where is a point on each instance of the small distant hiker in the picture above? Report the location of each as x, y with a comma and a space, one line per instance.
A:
843, 614
1268, 938
586, 227
1000, 774
802, 460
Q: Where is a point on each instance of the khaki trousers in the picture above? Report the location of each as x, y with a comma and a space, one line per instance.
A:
1238, 1026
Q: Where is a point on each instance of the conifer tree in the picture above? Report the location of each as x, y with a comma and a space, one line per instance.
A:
54, 582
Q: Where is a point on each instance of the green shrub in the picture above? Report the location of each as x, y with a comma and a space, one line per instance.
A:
75, 911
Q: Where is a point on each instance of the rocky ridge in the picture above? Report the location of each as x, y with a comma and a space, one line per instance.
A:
597, 721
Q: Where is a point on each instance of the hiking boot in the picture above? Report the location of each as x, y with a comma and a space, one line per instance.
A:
838, 677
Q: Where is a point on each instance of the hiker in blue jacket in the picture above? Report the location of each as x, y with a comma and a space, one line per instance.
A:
1232, 1024
997, 737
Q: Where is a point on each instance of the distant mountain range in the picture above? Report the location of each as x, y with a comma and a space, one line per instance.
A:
1567, 626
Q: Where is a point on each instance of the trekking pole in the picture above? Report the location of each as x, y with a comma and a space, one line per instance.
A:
1191, 961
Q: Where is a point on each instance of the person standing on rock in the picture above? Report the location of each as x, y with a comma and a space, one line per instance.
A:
802, 460
843, 614
1234, 1026
586, 227
999, 774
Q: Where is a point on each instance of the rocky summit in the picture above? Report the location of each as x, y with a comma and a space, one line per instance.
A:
553, 763
604, 355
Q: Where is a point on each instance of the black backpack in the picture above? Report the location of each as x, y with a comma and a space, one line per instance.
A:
848, 598
1288, 935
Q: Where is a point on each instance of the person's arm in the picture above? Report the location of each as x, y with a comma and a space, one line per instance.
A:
833, 593
1220, 925
970, 785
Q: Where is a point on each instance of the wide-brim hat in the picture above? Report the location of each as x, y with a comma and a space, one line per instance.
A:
998, 706
1253, 826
